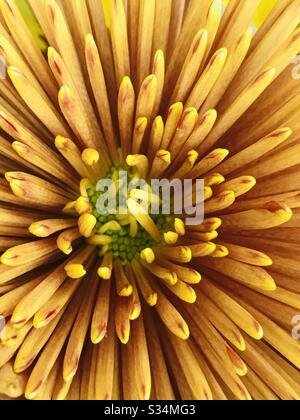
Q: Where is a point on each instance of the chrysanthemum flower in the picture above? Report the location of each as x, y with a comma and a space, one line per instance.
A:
138, 306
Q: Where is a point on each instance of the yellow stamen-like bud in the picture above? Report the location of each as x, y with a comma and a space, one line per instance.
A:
125, 291
214, 179
105, 270
86, 224
98, 240
141, 163
171, 238
220, 252
90, 157
152, 299
60, 142
124, 287
148, 255
184, 291
85, 184
179, 226
170, 277
104, 273
207, 236
192, 157
75, 271
164, 156
82, 205
161, 162
113, 225
64, 245
181, 254
39, 230
65, 239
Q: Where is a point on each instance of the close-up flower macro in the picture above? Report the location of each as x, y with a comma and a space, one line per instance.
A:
102, 298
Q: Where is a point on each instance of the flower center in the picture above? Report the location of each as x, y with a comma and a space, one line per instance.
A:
117, 216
